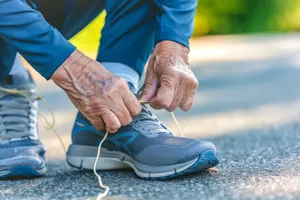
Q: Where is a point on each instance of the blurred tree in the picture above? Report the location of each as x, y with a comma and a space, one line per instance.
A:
219, 17
246, 16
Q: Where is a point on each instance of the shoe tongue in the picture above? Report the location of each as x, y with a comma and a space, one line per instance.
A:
148, 124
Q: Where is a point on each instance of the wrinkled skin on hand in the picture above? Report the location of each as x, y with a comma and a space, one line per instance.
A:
104, 99
170, 82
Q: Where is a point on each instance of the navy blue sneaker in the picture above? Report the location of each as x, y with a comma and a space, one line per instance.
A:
22, 155
145, 145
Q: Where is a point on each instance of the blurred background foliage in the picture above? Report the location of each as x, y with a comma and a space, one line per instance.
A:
215, 17
218, 17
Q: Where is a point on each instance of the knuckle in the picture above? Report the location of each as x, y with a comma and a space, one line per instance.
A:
127, 121
168, 81
170, 109
96, 124
149, 82
121, 82
167, 84
117, 79
188, 79
126, 118
195, 83
139, 109
163, 104
186, 107
136, 110
115, 126
121, 115
186, 76
110, 95
111, 122
123, 121
107, 117
173, 106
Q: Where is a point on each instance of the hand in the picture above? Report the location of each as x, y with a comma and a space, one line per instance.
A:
170, 82
104, 99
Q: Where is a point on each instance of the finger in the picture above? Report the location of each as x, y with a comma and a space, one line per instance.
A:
163, 98
97, 123
176, 101
111, 121
188, 101
122, 113
132, 103
179, 97
188, 104
151, 83
186, 93
149, 91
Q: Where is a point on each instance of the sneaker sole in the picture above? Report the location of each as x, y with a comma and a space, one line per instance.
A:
83, 157
22, 167
20, 172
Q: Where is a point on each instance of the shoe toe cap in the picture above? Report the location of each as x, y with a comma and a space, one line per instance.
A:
174, 151
22, 153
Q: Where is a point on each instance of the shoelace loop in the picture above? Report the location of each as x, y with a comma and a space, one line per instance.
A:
51, 126
105, 187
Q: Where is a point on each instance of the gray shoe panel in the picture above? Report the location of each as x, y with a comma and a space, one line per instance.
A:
81, 151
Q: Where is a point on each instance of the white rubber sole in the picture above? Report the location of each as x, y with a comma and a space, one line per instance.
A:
117, 160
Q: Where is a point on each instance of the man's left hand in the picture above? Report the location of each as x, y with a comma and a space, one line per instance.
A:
170, 82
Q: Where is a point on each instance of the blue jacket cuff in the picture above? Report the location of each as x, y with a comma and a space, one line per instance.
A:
162, 36
60, 54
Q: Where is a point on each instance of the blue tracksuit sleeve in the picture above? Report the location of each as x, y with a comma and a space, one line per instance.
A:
175, 19
36, 40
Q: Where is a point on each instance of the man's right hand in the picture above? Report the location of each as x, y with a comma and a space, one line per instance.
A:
104, 99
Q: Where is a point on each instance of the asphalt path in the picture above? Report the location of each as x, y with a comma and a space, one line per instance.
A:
248, 105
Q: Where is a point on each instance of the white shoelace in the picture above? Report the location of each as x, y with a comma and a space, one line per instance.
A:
105, 187
51, 126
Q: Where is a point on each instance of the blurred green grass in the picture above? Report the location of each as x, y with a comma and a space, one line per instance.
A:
215, 17
218, 17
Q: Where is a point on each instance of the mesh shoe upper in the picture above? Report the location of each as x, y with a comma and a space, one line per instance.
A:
18, 118
146, 140
19, 144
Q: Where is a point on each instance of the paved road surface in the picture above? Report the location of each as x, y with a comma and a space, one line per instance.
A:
248, 104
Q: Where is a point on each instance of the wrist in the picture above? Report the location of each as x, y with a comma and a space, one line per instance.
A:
79, 68
171, 49
171, 45
73, 67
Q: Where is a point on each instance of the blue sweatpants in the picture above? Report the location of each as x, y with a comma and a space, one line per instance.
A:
130, 45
